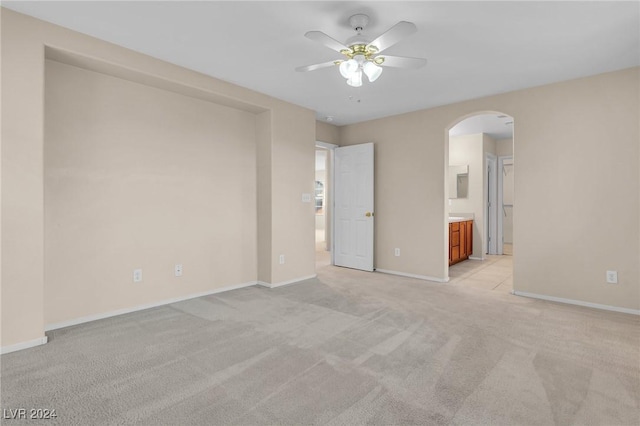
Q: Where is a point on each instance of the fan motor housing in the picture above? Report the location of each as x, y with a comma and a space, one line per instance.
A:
358, 22
361, 49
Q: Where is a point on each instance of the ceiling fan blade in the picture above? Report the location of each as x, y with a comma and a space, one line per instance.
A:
401, 61
322, 38
393, 35
316, 66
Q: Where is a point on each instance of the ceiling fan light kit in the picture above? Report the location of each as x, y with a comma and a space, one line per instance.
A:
353, 68
363, 56
347, 68
372, 71
355, 80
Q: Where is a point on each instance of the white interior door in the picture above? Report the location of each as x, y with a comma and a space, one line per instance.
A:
353, 247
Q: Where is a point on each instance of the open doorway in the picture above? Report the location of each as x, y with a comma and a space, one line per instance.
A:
323, 203
344, 178
319, 200
479, 209
505, 204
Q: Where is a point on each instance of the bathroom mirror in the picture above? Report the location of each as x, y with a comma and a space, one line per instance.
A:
459, 181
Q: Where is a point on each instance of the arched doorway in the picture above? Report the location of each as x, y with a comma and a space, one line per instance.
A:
479, 203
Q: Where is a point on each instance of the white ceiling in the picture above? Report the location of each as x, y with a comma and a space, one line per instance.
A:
494, 125
474, 48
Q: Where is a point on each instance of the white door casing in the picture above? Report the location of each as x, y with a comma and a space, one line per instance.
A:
354, 215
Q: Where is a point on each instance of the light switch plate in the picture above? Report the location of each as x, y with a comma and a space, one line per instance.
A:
306, 198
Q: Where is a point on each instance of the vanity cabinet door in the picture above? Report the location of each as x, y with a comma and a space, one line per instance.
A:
454, 242
460, 241
469, 239
450, 238
463, 240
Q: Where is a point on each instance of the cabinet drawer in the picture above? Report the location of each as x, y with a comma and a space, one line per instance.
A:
455, 226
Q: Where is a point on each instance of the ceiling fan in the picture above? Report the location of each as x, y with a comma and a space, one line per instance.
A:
363, 56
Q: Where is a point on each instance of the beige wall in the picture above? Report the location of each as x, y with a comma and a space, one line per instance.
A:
328, 133
293, 172
22, 184
263, 141
137, 177
504, 147
409, 191
282, 155
1, 136
564, 241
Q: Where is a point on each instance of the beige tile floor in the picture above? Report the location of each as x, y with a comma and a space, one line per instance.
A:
495, 273
323, 257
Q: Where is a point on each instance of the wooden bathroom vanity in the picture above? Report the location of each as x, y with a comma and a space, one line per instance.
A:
460, 239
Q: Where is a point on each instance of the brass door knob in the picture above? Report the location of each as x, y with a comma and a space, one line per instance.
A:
368, 214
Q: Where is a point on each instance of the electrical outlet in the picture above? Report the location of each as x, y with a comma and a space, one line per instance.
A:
137, 275
178, 270
612, 277
282, 259
396, 252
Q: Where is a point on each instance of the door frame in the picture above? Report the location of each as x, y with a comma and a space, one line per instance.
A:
491, 204
329, 190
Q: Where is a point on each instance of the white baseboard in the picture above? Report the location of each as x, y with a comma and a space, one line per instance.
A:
24, 345
103, 315
578, 302
420, 277
280, 284
476, 258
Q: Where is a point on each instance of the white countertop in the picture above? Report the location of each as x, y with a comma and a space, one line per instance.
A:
453, 219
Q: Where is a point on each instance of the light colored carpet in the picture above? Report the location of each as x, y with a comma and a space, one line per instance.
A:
347, 348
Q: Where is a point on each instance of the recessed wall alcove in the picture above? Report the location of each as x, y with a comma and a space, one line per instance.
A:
142, 173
